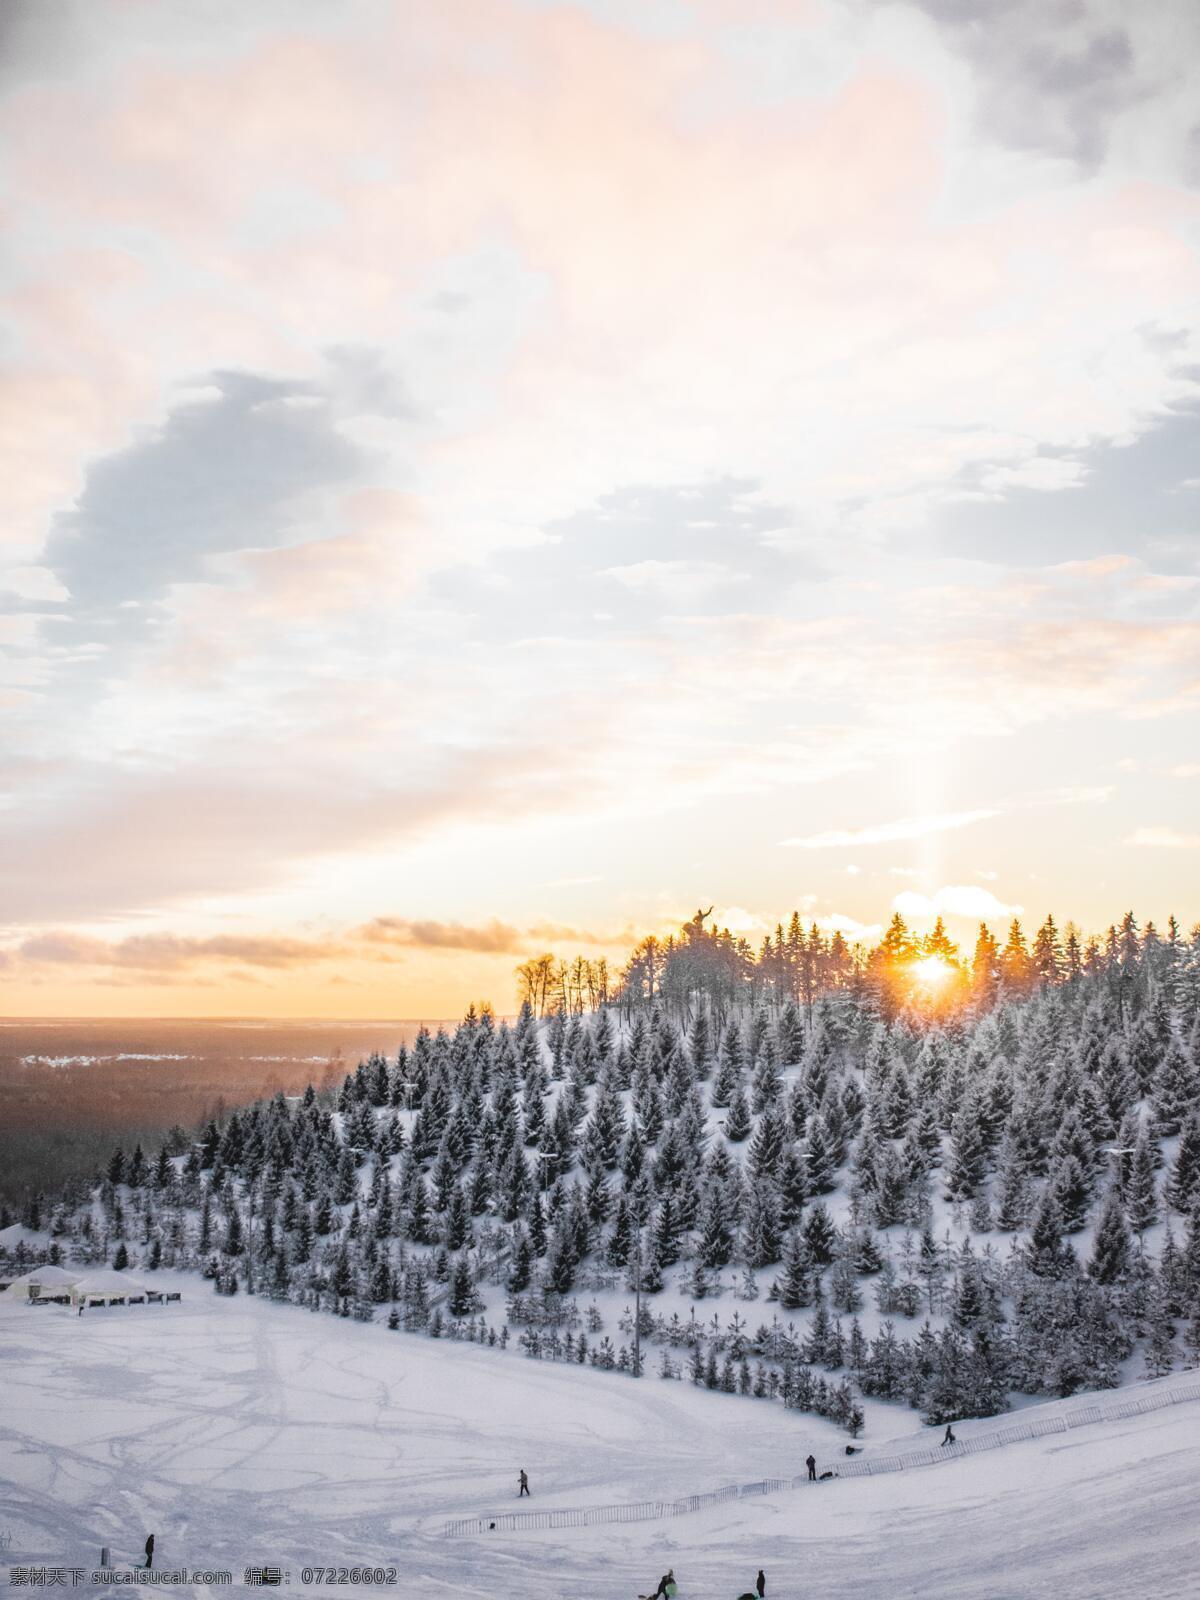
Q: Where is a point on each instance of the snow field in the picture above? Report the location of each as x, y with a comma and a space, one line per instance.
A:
244, 1432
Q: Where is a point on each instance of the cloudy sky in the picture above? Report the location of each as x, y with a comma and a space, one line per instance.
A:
487, 475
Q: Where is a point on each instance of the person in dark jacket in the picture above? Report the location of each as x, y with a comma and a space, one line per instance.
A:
666, 1585
811, 1464
760, 1583
149, 1551
523, 1484
949, 1436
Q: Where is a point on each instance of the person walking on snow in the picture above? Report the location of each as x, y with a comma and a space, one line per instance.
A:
523, 1484
760, 1583
949, 1436
811, 1464
149, 1551
667, 1589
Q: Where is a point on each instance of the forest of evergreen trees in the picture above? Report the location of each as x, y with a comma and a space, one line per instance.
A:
831, 1173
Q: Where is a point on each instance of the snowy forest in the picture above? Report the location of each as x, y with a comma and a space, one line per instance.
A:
829, 1175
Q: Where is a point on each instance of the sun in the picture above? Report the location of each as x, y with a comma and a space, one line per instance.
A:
931, 971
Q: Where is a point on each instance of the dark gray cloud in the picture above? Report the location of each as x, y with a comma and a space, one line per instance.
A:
54, 39
490, 938
227, 471
1142, 499
1191, 157
1054, 75
639, 553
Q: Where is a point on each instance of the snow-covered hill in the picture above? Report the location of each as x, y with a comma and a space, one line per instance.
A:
243, 1433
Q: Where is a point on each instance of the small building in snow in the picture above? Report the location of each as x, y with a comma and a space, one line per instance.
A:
108, 1288
44, 1283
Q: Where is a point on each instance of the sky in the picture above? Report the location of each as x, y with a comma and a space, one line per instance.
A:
489, 476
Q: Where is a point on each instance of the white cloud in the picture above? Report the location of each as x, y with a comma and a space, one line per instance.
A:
738, 920
678, 581
955, 900
1164, 839
1047, 473
849, 927
31, 583
885, 832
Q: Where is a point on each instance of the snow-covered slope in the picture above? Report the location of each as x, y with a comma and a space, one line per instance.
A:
244, 1432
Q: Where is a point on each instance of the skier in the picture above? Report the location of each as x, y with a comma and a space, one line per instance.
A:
811, 1464
523, 1485
666, 1590
949, 1436
149, 1551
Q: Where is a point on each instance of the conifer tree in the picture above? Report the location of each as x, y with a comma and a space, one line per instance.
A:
793, 1287
737, 1122
462, 1300
416, 1210
889, 1199
765, 1150
700, 1045
725, 1082
1113, 1243
844, 1292
766, 1083
233, 1245
1160, 1341
666, 1233
1015, 967
458, 1221
716, 1233
1071, 1194
760, 1225
819, 1157
793, 1186
968, 1151
1174, 1088
346, 1185
1049, 1254
820, 1235
1140, 1186
521, 1270
1183, 1184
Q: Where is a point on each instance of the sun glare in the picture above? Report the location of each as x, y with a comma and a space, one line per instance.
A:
931, 971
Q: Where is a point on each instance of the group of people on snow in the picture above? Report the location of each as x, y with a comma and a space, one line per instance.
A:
668, 1589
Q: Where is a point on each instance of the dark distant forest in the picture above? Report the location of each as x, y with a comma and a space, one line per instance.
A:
69, 1090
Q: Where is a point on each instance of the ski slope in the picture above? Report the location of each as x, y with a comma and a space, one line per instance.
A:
242, 1432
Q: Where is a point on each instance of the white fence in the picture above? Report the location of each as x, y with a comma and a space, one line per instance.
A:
653, 1510
1013, 1433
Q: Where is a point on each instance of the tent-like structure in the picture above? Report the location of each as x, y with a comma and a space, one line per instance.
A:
107, 1288
44, 1283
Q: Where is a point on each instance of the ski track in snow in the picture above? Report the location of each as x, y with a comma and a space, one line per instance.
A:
242, 1432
